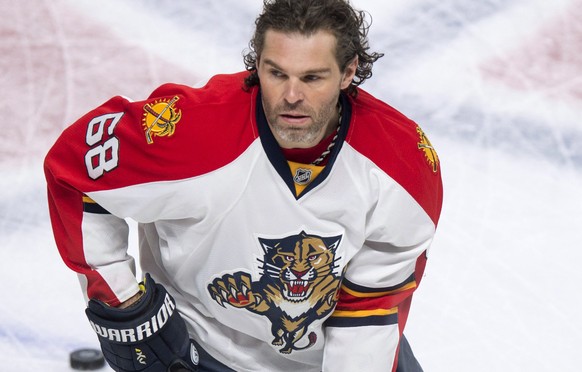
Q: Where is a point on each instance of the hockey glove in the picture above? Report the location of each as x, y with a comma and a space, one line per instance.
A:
148, 336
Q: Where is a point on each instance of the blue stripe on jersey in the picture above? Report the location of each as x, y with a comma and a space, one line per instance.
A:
358, 288
94, 208
375, 320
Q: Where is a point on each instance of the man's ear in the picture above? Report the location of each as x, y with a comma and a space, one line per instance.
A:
349, 73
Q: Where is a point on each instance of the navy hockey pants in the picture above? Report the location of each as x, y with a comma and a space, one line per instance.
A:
406, 360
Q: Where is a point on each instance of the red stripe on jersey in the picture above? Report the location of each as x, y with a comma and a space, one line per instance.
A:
391, 141
390, 300
216, 124
67, 230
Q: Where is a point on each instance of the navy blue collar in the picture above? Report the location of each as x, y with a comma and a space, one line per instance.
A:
275, 154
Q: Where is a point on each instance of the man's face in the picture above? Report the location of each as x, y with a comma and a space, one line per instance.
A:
300, 84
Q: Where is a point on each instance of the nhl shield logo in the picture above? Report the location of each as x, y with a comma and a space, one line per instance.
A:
302, 176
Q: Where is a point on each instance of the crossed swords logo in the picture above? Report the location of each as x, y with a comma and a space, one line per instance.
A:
164, 118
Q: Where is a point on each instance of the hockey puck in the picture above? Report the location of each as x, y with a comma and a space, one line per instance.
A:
87, 359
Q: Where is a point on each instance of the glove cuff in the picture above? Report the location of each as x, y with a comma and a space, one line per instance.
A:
140, 321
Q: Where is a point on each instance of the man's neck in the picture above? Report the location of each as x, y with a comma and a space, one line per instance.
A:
310, 154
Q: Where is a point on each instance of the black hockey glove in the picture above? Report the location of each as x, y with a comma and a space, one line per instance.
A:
149, 336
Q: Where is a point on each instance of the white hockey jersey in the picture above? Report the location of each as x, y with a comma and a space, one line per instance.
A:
267, 280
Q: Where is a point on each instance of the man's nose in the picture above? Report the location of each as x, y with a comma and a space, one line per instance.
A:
294, 91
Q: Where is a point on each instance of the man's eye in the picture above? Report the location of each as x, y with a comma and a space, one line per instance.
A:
311, 78
276, 73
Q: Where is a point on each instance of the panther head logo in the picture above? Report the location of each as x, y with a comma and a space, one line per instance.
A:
298, 263
298, 285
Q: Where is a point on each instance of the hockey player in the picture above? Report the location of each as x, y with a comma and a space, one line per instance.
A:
284, 213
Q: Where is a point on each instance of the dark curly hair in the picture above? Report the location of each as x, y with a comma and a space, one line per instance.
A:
307, 17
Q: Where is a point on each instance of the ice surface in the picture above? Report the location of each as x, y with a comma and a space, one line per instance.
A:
496, 85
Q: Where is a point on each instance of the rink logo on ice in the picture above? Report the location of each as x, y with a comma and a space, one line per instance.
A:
429, 152
298, 285
160, 118
143, 330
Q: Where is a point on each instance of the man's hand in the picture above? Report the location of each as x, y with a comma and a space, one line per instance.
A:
146, 334
130, 301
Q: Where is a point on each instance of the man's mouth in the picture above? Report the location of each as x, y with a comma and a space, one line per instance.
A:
294, 118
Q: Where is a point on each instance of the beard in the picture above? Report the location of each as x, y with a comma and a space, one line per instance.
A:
305, 135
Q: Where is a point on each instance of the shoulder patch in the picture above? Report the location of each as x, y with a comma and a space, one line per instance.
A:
429, 152
160, 118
